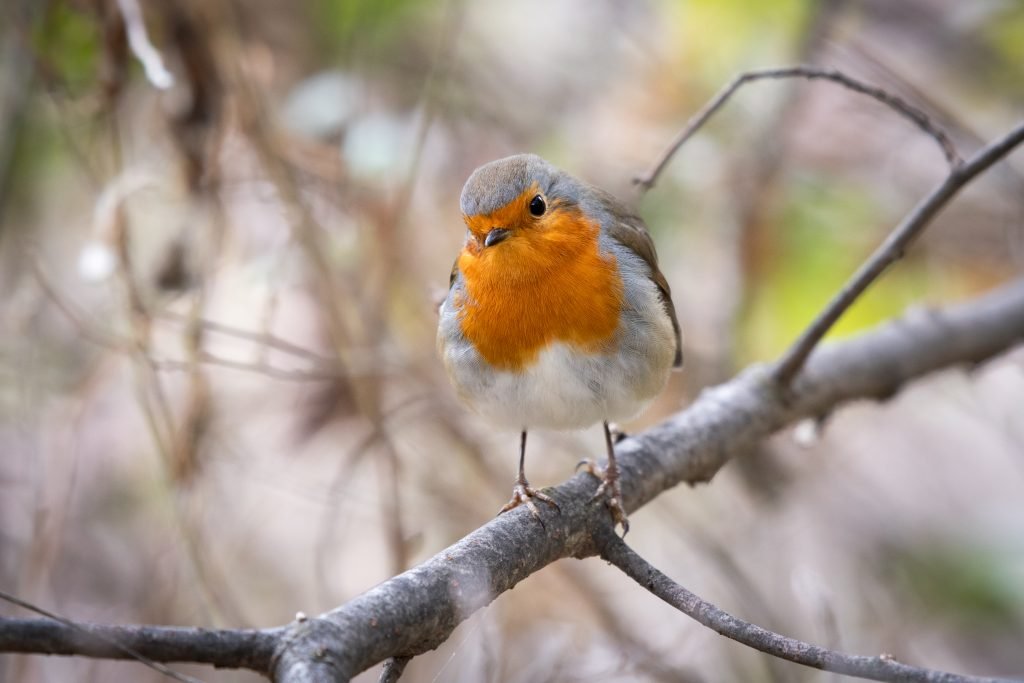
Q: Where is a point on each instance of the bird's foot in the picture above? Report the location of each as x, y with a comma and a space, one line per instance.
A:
609, 489
523, 493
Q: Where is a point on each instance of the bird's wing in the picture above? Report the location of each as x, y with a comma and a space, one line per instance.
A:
629, 230
455, 273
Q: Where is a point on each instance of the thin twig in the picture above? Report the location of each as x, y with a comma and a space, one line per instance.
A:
908, 111
93, 333
389, 465
393, 669
267, 370
87, 328
877, 668
349, 459
262, 338
150, 58
891, 250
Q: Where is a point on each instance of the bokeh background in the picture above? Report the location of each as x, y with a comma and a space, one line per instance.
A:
220, 402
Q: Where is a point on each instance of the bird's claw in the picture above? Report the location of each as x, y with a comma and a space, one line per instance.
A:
609, 489
523, 494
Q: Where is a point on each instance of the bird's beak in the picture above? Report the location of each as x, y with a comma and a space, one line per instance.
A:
495, 235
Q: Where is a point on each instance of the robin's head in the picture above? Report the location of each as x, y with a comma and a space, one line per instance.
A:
532, 268
521, 204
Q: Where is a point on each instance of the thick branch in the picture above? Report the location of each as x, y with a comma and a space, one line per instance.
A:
892, 250
877, 668
417, 611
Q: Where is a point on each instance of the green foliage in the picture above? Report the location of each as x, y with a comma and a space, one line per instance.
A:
717, 35
1005, 34
68, 43
966, 583
821, 236
40, 151
375, 25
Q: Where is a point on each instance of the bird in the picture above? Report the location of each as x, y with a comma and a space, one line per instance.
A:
557, 315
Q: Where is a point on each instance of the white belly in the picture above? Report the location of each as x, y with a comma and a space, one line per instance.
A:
562, 390
566, 388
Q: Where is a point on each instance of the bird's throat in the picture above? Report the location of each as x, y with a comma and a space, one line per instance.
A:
539, 288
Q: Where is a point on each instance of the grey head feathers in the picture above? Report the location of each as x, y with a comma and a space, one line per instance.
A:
497, 183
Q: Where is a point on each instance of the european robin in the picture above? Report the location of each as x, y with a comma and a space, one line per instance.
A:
557, 315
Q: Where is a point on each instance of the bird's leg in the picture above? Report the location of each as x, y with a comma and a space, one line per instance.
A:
522, 492
618, 436
609, 477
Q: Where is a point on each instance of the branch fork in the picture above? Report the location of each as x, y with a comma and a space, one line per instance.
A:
416, 611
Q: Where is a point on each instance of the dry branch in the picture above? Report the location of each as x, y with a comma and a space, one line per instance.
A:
416, 611
892, 250
908, 111
877, 668
393, 669
223, 648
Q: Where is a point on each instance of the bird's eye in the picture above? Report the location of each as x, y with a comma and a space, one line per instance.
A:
537, 206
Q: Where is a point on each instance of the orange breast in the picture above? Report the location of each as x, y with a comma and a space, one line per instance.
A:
538, 287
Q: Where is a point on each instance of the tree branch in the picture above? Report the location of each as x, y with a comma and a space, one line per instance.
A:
894, 246
416, 611
878, 668
222, 648
908, 111
393, 669
892, 250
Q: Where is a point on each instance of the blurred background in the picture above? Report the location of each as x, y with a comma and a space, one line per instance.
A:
225, 228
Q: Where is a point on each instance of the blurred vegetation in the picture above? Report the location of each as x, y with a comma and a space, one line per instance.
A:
219, 399
964, 582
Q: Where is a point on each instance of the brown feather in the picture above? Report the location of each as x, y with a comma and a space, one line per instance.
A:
630, 230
